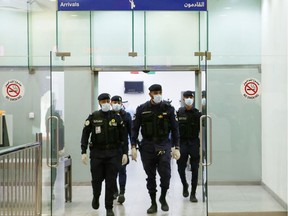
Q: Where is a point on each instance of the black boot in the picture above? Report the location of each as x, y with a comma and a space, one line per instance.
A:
164, 205
95, 203
185, 192
109, 212
121, 197
153, 207
193, 196
193, 192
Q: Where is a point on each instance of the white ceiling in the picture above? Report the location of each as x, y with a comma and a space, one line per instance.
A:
23, 5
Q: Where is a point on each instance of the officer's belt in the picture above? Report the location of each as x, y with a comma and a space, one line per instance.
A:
154, 139
105, 147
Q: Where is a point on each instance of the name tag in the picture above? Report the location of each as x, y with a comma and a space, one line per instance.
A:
98, 130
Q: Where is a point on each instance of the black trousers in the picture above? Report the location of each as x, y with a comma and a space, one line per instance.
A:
189, 148
104, 169
152, 162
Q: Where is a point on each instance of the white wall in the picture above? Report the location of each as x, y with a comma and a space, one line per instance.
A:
274, 97
172, 85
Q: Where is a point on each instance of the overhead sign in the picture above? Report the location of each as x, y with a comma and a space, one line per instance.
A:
250, 88
13, 90
140, 5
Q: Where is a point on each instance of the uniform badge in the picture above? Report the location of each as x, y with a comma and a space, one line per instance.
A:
113, 122
87, 122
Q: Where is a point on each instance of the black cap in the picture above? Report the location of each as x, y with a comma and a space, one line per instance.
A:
103, 96
155, 87
188, 94
116, 98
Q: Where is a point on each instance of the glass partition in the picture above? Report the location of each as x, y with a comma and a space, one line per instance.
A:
236, 99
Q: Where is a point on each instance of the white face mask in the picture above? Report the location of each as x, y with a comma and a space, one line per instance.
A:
188, 101
105, 107
157, 98
204, 101
116, 107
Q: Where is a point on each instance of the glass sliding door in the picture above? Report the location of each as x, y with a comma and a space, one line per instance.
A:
55, 145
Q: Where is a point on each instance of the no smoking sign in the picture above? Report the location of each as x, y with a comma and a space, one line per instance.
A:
13, 90
250, 88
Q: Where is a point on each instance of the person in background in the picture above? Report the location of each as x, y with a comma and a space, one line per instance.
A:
117, 106
189, 127
158, 121
108, 135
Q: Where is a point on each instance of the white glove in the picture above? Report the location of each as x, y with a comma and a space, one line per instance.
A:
61, 152
84, 159
134, 153
124, 159
175, 153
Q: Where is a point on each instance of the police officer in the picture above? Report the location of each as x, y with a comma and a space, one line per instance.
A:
157, 120
107, 137
189, 126
117, 106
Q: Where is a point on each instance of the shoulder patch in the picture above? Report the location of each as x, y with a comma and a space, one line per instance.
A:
87, 123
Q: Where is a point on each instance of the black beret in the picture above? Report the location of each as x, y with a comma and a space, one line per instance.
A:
155, 87
116, 98
188, 94
103, 96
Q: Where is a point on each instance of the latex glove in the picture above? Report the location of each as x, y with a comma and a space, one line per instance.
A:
61, 152
124, 159
175, 153
134, 153
84, 159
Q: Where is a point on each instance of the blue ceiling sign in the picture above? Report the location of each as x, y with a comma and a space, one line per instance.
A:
137, 5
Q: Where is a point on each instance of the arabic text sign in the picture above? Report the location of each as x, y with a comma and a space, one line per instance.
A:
141, 5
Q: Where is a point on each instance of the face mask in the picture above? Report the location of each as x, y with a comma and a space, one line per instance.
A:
116, 107
188, 101
204, 101
105, 107
157, 98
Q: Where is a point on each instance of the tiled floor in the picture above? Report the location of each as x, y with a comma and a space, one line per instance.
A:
221, 199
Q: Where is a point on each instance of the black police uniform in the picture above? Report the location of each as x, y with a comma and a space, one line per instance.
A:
189, 126
157, 122
127, 119
107, 138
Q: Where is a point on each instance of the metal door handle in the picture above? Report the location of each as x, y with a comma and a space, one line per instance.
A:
48, 155
210, 139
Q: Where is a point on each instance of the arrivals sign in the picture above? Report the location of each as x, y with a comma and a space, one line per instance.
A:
140, 5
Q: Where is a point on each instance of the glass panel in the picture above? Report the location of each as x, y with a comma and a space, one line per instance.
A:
112, 38
10, 31
236, 181
74, 35
24, 99
42, 32
55, 166
175, 44
245, 175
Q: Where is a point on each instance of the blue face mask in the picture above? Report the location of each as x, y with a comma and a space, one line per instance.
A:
188, 101
157, 98
105, 107
116, 107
